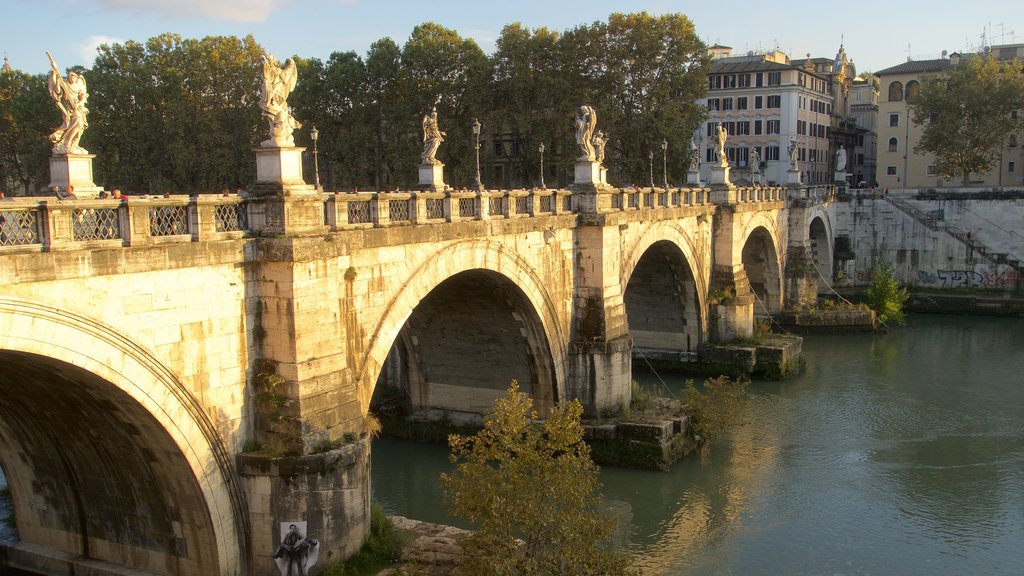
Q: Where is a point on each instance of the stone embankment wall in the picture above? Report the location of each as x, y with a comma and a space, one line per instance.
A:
931, 240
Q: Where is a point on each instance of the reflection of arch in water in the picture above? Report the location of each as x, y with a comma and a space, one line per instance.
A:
107, 455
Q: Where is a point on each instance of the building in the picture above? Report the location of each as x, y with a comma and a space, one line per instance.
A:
899, 166
764, 100
864, 112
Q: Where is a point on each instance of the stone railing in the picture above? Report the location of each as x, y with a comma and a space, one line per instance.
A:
52, 224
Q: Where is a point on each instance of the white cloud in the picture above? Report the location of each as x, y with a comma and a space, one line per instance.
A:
86, 51
232, 10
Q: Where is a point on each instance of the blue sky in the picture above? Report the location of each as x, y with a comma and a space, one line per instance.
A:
877, 34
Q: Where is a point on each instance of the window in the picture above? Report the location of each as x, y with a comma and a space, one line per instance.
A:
741, 103
711, 127
801, 127
913, 88
758, 102
890, 170
1013, 140
714, 82
760, 79
743, 128
895, 92
893, 144
714, 104
743, 156
757, 127
1011, 167
860, 140
726, 103
710, 155
744, 80
775, 101
894, 119
771, 153
773, 127
730, 81
860, 159
774, 78
930, 170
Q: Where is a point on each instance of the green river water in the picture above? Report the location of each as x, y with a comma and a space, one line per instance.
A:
900, 453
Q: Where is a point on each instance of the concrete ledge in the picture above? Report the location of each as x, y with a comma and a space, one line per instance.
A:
54, 562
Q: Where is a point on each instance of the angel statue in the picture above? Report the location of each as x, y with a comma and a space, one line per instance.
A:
599, 142
719, 136
586, 119
791, 150
70, 96
432, 138
278, 83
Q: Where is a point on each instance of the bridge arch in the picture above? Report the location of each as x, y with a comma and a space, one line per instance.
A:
108, 456
493, 290
761, 255
664, 289
820, 243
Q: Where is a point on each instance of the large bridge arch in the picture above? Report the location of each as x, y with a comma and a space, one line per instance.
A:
107, 455
457, 269
664, 289
761, 254
820, 244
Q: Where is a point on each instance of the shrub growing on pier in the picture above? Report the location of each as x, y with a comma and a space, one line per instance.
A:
886, 297
531, 488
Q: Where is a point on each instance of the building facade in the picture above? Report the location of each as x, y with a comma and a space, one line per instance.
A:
864, 112
765, 100
899, 165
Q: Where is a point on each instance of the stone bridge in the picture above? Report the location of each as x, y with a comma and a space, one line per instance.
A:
182, 374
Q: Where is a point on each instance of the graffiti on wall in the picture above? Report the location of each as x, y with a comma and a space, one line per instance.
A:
970, 279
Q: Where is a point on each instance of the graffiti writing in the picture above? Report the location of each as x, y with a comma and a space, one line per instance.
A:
970, 279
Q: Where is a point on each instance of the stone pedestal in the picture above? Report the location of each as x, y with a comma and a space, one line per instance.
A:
720, 175
839, 177
74, 170
279, 166
432, 176
792, 177
693, 178
588, 172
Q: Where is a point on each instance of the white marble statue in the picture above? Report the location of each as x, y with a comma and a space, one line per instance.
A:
841, 159
278, 83
755, 161
432, 138
694, 156
791, 150
720, 135
599, 141
586, 120
70, 95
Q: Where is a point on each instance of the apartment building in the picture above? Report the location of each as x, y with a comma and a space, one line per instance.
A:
764, 100
899, 165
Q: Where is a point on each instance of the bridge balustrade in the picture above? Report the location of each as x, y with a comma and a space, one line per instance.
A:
70, 224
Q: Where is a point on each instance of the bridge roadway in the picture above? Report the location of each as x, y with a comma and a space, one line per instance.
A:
182, 374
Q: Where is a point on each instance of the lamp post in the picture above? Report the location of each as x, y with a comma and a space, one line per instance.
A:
314, 134
476, 146
664, 161
541, 150
650, 163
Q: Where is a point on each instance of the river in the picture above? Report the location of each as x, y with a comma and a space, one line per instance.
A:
900, 453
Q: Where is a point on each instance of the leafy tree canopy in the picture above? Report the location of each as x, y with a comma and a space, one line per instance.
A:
968, 113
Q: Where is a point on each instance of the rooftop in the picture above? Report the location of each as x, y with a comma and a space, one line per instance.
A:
916, 66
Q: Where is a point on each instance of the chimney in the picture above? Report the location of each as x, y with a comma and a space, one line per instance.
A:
954, 58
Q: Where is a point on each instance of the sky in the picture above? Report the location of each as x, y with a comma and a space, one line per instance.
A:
876, 34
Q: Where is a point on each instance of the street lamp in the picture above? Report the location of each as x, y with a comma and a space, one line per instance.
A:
476, 146
541, 150
664, 161
650, 162
314, 134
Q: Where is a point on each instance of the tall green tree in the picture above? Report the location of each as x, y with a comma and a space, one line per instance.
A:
175, 115
520, 479
968, 113
27, 116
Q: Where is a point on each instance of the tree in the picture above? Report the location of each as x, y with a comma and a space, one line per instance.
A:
886, 297
968, 113
27, 116
521, 479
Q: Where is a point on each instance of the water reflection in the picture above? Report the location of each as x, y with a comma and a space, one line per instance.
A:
893, 454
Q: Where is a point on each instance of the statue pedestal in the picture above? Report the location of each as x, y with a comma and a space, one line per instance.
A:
432, 176
693, 177
588, 172
792, 176
279, 165
74, 170
720, 175
839, 177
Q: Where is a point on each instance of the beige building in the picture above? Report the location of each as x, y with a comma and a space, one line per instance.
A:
899, 166
764, 100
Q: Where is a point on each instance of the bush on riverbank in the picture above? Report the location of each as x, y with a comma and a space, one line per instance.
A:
715, 408
532, 488
383, 547
886, 297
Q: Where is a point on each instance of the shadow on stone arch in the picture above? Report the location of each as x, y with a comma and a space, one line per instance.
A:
663, 307
761, 264
461, 347
94, 476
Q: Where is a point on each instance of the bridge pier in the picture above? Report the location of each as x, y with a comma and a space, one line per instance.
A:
731, 301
